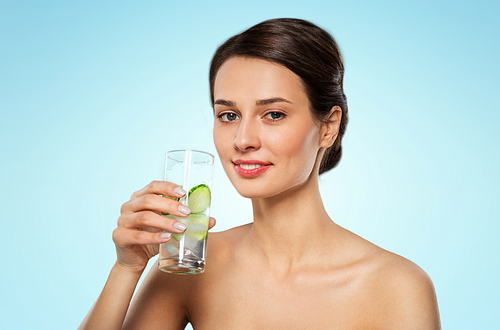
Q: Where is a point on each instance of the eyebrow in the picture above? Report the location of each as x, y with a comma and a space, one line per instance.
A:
272, 100
229, 103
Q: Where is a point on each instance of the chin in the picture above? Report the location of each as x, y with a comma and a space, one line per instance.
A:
249, 190
253, 195
263, 189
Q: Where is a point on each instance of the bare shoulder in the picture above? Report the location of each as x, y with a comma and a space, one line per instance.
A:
159, 303
222, 243
163, 300
392, 291
230, 234
403, 291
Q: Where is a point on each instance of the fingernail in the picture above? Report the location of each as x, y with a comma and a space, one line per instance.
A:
165, 236
180, 226
179, 191
184, 209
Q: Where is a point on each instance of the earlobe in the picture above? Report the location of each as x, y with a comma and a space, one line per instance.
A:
331, 128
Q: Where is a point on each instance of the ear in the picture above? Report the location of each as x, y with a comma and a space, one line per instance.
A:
330, 129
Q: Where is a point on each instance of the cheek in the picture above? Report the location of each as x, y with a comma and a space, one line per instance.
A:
299, 144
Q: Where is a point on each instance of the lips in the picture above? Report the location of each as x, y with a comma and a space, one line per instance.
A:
250, 168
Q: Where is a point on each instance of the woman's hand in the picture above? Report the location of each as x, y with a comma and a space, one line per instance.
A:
141, 225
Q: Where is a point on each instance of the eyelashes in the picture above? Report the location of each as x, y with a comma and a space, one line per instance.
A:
228, 116
273, 116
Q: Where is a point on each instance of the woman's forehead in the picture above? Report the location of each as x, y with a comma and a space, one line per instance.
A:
257, 79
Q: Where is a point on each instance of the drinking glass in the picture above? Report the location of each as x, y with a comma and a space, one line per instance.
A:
192, 170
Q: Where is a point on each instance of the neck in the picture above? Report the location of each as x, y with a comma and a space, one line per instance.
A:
291, 227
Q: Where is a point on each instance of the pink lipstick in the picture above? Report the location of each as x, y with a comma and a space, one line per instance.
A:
250, 168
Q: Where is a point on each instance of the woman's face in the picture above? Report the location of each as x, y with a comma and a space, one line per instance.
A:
264, 132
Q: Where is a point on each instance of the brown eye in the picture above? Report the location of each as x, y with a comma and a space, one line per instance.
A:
228, 116
275, 115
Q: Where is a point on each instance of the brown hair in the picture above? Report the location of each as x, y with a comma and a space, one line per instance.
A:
308, 51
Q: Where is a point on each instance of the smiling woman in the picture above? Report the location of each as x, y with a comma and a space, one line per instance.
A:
306, 50
264, 120
280, 113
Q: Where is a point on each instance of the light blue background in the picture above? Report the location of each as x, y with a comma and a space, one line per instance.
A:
93, 93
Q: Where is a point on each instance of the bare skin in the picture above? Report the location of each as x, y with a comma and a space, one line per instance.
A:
293, 267
348, 283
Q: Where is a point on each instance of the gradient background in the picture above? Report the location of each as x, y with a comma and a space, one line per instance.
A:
93, 93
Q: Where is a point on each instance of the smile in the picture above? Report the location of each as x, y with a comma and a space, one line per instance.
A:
250, 168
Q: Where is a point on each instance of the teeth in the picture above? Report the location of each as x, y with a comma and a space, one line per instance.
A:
249, 166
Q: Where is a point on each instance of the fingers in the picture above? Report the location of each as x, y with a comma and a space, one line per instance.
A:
160, 188
144, 228
141, 222
155, 203
149, 198
150, 219
127, 233
123, 237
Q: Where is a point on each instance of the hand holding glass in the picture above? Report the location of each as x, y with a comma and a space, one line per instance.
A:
192, 170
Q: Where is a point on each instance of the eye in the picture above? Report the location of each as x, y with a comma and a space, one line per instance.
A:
228, 116
275, 115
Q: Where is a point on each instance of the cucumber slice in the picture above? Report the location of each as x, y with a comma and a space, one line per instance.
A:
177, 237
197, 226
174, 198
197, 231
197, 219
199, 198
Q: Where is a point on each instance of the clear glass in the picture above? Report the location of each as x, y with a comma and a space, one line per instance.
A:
190, 169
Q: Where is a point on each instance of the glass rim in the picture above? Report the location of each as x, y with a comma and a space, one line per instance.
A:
184, 150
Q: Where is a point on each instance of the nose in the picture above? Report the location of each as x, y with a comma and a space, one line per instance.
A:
247, 137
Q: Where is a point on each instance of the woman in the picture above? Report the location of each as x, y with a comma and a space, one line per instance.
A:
280, 113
